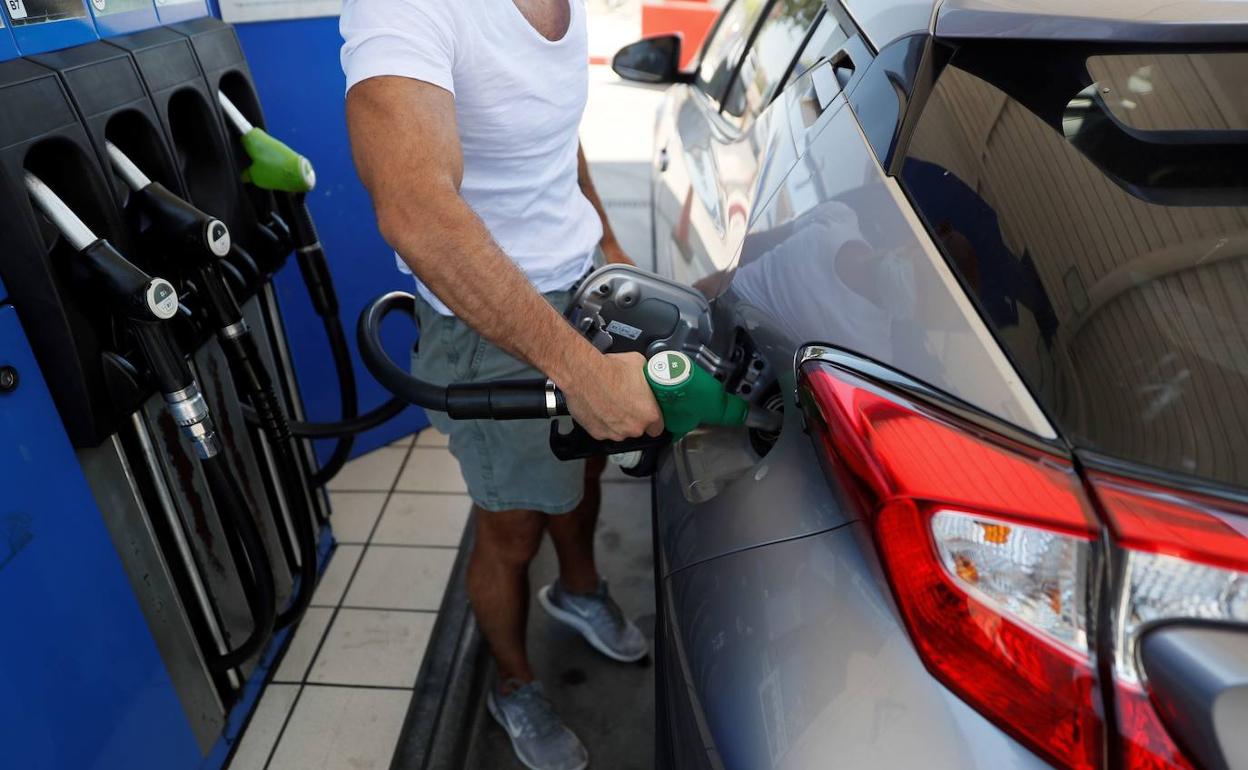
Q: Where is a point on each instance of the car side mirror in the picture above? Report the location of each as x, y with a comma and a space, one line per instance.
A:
653, 60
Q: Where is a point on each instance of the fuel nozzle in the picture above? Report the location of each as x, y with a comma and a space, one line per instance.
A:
274, 165
689, 396
144, 301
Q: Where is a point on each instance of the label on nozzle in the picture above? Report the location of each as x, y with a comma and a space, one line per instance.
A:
671, 367
162, 300
218, 237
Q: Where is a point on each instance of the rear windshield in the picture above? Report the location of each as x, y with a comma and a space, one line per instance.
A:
1095, 204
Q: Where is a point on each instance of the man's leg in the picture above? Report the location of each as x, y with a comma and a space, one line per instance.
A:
498, 585
573, 534
579, 597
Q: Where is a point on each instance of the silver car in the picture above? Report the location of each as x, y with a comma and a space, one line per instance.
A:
990, 258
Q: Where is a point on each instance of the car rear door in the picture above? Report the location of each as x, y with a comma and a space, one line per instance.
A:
715, 130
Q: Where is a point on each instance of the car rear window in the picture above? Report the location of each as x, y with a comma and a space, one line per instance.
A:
1095, 204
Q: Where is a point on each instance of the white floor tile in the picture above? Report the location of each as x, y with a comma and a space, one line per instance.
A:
373, 648
432, 437
402, 443
398, 578
373, 472
431, 470
337, 575
339, 727
416, 519
266, 724
303, 648
354, 514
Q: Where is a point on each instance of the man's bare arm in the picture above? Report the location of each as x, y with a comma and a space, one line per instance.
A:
406, 147
611, 248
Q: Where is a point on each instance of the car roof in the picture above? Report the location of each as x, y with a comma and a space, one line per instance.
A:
1139, 21
1160, 21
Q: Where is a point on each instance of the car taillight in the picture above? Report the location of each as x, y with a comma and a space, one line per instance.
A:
1186, 558
991, 544
986, 542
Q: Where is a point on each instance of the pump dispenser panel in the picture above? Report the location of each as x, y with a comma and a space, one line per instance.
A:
48, 25
8, 49
117, 17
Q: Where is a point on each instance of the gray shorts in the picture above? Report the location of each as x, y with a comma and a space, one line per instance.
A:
506, 464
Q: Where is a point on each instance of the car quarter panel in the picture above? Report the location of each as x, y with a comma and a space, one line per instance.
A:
792, 656
838, 256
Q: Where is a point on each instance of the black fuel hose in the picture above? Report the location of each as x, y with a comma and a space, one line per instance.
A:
251, 559
495, 400
314, 269
253, 379
373, 418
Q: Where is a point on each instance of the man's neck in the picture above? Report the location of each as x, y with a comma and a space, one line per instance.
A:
551, 18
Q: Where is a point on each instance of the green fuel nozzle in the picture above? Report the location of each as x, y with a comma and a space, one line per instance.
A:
274, 165
689, 396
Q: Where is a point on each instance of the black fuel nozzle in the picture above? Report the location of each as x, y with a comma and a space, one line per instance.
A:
145, 302
178, 222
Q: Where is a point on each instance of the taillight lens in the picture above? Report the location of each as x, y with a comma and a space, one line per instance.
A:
986, 543
1186, 558
990, 544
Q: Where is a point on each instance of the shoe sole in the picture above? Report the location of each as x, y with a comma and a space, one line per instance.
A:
586, 630
489, 706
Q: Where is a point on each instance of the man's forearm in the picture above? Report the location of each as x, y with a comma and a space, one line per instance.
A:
452, 253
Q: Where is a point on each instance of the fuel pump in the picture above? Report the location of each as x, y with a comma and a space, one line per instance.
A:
620, 309
145, 305
277, 168
203, 242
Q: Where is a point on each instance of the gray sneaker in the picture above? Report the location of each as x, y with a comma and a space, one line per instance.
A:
538, 736
598, 618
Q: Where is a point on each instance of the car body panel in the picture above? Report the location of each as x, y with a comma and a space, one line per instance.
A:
790, 655
839, 257
883, 21
707, 181
1153, 21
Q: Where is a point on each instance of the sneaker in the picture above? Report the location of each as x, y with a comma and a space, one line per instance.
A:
538, 736
598, 618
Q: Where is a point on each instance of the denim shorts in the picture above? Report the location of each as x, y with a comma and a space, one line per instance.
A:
507, 464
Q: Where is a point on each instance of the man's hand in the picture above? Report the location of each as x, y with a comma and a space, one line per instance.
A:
611, 398
615, 255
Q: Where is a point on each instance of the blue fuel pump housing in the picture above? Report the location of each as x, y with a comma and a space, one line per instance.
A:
118, 17
8, 49
40, 26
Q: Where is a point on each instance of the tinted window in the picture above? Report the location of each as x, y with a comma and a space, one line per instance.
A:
723, 49
779, 36
1097, 208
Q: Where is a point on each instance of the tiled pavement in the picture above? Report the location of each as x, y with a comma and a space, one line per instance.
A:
341, 692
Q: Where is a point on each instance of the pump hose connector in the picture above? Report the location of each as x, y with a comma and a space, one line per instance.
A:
190, 412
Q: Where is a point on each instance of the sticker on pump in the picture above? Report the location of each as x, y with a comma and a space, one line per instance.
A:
670, 367
17, 9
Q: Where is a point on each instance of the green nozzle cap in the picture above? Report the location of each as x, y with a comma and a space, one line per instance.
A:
689, 396
274, 166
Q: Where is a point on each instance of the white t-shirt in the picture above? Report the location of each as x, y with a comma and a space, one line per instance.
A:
519, 98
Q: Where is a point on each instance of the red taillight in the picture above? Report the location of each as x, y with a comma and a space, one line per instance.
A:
960, 516
988, 544
1186, 557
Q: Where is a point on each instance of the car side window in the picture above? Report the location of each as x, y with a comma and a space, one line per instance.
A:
828, 36
763, 67
723, 50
